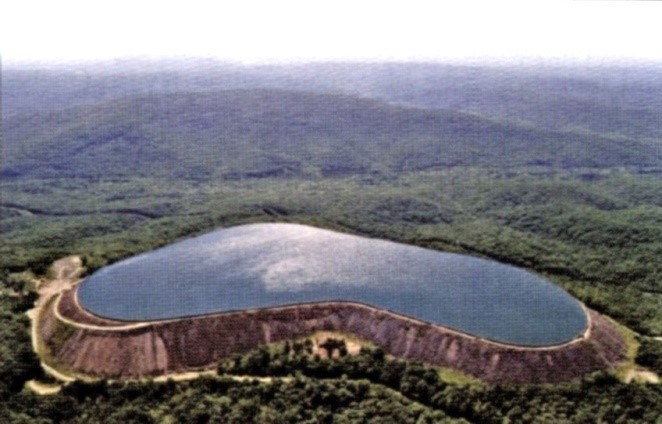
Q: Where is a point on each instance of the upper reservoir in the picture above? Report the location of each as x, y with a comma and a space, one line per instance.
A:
266, 265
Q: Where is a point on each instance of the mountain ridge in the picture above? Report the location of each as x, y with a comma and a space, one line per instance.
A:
252, 133
600, 98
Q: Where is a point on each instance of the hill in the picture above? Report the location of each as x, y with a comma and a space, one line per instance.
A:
597, 98
256, 133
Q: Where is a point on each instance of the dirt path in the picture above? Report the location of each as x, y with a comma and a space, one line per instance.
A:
43, 389
66, 273
65, 378
192, 375
122, 327
642, 375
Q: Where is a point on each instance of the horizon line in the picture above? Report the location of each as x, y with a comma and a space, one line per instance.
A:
606, 61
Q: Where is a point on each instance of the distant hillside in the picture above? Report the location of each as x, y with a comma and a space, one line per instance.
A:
598, 99
263, 133
584, 98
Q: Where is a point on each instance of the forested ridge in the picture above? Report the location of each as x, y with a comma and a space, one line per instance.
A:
271, 133
108, 170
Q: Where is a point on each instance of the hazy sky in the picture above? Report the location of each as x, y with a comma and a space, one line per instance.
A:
283, 30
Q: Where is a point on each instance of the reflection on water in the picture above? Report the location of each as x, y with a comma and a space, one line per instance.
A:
264, 265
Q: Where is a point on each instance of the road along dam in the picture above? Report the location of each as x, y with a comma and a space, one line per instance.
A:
79, 341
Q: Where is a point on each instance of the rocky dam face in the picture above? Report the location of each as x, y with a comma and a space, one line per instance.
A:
193, 303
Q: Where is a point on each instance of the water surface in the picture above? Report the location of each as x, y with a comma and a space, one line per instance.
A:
265, 265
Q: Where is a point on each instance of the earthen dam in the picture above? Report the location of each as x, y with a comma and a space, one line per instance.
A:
193, 303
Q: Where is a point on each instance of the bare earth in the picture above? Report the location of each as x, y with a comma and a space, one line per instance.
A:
352, 342
644, 376
43, 389
66, 274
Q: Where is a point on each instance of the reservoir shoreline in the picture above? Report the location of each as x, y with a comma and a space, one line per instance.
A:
112, 324
265, 266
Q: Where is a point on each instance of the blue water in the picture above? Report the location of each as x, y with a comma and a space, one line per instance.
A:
264, 265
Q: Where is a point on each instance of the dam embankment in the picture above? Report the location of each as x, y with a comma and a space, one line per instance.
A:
85, 343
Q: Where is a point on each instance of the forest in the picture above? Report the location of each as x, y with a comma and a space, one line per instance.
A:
581, 235
109, 165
